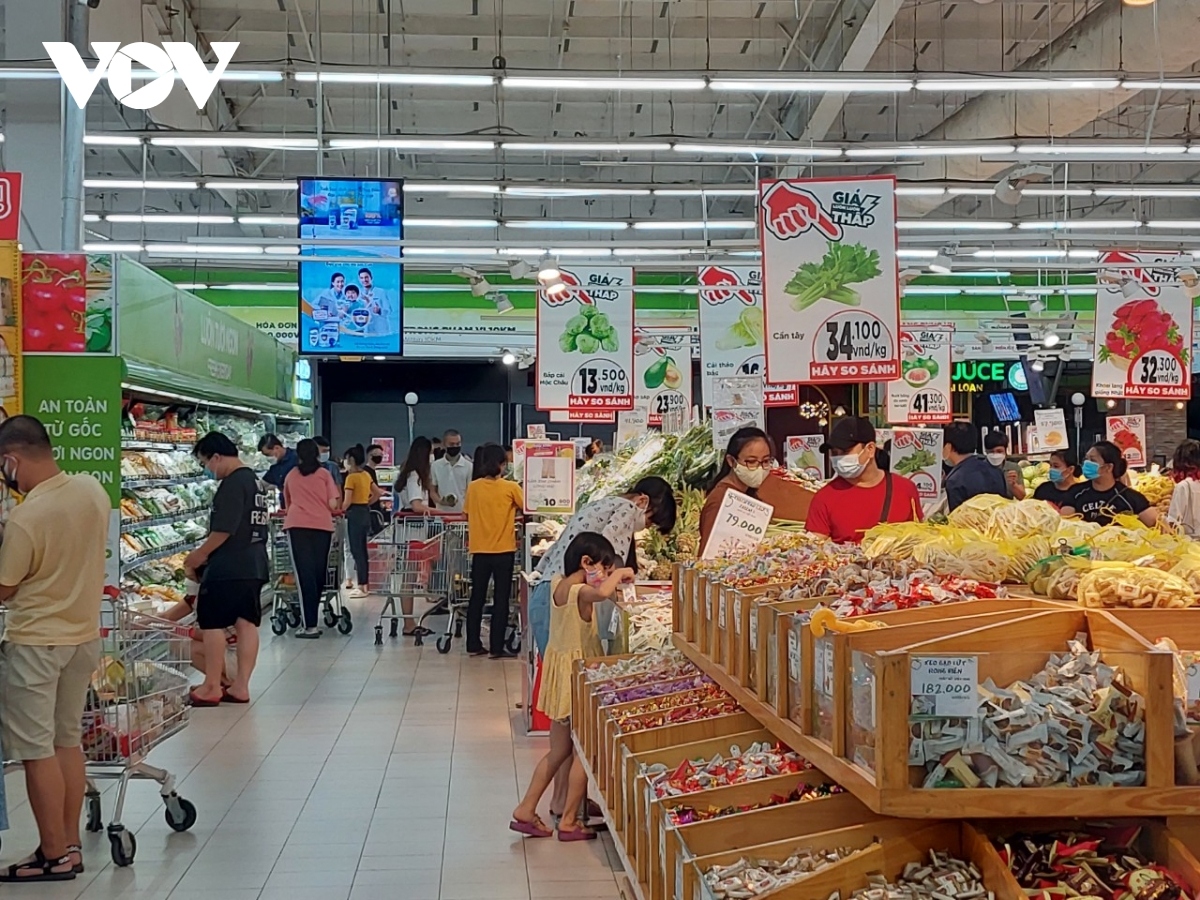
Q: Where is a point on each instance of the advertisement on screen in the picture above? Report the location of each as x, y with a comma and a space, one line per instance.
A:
350, 310
361, 217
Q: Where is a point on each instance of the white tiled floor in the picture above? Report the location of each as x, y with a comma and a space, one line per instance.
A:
358, 772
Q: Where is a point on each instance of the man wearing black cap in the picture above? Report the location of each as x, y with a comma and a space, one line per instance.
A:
861, 494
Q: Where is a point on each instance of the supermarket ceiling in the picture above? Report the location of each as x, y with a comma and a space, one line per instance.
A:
492, 112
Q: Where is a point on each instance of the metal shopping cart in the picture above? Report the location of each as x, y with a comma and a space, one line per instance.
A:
285, 606
407, 562
458, 566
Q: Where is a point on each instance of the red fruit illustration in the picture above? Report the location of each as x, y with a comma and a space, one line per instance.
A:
1139, 327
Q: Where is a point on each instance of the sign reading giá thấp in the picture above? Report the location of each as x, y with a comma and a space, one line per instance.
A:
585, 340
921, 395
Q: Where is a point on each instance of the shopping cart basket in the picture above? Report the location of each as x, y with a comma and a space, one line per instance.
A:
285, 606
407, 561
458, 572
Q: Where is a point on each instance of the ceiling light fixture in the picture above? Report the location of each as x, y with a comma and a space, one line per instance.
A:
551, 191
1037, 305
813, 85
1122, 150
508, 358
943, 263
556, 287
519, 269
268, 220
114, 184
567, 225
952, 225
168, 219
1001, 83
441, 187
412, 78
264, 142
1050, 339
584, 146
761, 150
1068, 225
111, 140
240, 184
111, 247
548, 270
1037, 365
603, 84
463, 144
451, 223
923, 150
169, 249
503, 304
696, 225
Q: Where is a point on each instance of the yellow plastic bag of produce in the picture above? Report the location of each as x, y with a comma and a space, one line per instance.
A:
896, 540
976, 513
1021, 519
1023, 554
964, 553
1124, 584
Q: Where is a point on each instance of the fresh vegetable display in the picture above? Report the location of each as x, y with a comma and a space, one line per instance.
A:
830, 279
589, 332
1139, 327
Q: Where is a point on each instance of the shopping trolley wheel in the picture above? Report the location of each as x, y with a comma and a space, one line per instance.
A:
378, 635
123, 845
180, 814
344, 623
95, 819
293, 619
279, 624
395, 629
330, 618
443, 643
512, 641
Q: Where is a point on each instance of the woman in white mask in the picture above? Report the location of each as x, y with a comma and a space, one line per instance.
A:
749, 459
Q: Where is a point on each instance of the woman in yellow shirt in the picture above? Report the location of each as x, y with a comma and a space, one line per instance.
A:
360, 493
492, 506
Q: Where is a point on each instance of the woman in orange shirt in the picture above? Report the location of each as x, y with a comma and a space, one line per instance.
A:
492, 506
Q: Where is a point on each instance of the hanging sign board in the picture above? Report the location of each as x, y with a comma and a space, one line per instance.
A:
585, 415
728, 421
803, 453
731, 331
585, 341
831, 295
548, 477
662, 375
921, 395
10, 206
631, 424
740, 527
917, 455
1129, 433
1144, 325
535, 432
1050, 429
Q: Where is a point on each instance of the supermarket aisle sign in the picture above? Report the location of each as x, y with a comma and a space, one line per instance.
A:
831, 295
731, 331
662, 375
1128, 433
548, 477
1144, 325
921, 395
585, 341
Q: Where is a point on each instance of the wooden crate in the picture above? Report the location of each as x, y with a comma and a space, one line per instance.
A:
678, 844
637, 803
684, 618
583, 723
737, 649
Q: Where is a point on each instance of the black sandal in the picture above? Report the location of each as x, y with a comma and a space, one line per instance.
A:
73, 849
41, 869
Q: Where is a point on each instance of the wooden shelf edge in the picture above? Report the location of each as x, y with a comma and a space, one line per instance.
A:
638, 889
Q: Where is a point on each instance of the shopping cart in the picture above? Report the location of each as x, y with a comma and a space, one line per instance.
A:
137, 700
408, 560
285, 605
458, 567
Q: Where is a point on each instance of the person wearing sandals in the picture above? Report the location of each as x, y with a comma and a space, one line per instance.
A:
231, 567
360, 493
312, 498
589, 561
52, 582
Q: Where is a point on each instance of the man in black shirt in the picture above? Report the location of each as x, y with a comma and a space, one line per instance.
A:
972, 474
379, 514
231, 566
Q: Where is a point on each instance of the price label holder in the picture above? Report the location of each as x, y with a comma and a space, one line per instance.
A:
1193, 682
740, 527
753, 629
944, 686
793, 655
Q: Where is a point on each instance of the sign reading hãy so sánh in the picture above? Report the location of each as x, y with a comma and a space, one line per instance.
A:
585, 341
921, 395
731, 331
1144, 325
830, 289
662, 375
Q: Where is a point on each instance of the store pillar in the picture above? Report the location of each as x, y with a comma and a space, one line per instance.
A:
1166, 426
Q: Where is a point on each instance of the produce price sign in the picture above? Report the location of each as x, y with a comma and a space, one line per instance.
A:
1144, 326
548, 477
662, 375
535, 432
917, 455
830, 289
945, 686
1128, 433
922, 393
803, 452
740, 527
1051, 429
585, 341
731, 331
727, 421
631, 424
388, 445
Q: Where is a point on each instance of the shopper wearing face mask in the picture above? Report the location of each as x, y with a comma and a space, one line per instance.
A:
995, 447
1063, 475
452, 473
327, 463
861, 495
1102, 495
970, 474
379, 513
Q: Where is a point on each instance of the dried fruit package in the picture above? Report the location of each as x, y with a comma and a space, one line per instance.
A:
1124, 584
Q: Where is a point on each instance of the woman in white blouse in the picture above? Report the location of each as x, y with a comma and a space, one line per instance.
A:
416, 491
1184, 512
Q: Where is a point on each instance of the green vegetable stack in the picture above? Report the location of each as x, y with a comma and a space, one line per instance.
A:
842, 265
589, 332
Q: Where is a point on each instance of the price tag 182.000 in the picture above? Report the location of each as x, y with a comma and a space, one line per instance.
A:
945, 686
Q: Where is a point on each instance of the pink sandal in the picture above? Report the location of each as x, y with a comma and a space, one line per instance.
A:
581, 833
536, 829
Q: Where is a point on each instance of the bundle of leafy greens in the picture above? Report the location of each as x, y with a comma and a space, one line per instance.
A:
842, 265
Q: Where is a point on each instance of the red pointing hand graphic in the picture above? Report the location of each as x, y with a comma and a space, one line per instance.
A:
789, 211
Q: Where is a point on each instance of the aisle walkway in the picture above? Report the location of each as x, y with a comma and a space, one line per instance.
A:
358, 773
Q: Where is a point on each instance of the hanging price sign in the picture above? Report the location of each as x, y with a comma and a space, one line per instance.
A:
1129, 433
740, 527
921, 395
945, 686
585, 341
803, 453
662, 367
548, 477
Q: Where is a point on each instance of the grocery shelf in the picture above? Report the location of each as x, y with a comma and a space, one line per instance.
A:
636, 890
168, 446
128, 525
159, 553
132, 483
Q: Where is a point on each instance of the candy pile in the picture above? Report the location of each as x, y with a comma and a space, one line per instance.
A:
885, 594
803, 792
797, 559
677, 716
751, 877
667, 663
1097, 863
759, 761
942, 878
670, 702
649, 622
644, 691
1076, 722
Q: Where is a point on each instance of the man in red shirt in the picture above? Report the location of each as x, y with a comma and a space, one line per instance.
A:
861, 495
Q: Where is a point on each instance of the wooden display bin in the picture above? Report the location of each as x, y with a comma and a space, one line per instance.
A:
678, 844
624, 605
740, 661
636, 827
583, 699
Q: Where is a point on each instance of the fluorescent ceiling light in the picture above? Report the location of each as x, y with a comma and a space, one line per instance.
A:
952, 225
1174, 224
29, 74
584, 146
409, 144
253, 75
814, 85
191, 286
247, 184
652, 251
696, 224
203, 249
912, 253
451, 251
268, 220
534, 191
181, 184
604, 84
111, 140
111, 247
706, 192
1021, 253
1162, 85
445, 187
923, 150
451, 223
283, 250
169, 219
414, 78
1082, 149
1083, 254
924, 290
578, 225
921, 191
1067, 225
1058, 192
91, 217
579, 252
1148, 191
1001, 83
238, 141
970, 192
760, 150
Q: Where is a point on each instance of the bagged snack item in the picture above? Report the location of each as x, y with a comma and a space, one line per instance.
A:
976, 513
1024, 518
1125, 584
